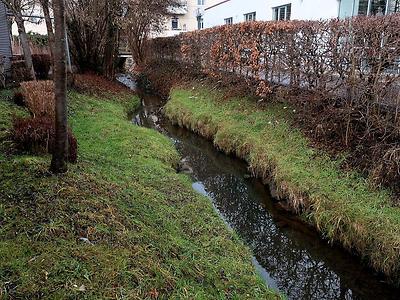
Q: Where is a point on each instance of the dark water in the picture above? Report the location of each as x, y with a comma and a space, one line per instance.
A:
290, 256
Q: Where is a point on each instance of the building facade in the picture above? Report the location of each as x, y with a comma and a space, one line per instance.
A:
236, 11
5, 39
188, 18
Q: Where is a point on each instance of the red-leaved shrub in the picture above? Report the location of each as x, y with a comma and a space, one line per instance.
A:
41, 65
37, 135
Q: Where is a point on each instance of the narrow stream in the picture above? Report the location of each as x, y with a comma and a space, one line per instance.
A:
289, 255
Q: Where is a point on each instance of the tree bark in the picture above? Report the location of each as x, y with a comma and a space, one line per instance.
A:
49, 25
60, 152
25, 45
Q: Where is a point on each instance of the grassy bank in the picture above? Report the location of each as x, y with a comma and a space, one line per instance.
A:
341, 205
121, 224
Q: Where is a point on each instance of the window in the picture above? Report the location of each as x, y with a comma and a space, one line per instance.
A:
378, 7
281, 13
250, 17
175, 23
200, 22
200, 2
396, 6
228, 21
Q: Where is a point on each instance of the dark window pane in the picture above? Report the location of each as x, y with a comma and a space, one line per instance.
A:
288, 11
363, 7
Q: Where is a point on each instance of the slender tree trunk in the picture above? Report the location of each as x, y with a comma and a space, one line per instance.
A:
60, 152
112, 40
49, 25
25, 46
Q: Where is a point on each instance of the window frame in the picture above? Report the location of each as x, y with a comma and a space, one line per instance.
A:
253, 17
368, 7
276, 12
173, 20
228, 21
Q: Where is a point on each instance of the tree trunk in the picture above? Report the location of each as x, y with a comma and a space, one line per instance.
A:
25, 46
60, 152
49, 25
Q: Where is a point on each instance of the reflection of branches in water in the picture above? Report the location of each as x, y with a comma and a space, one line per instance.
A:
298, 267
295, 271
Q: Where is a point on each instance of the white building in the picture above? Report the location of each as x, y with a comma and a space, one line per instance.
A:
187, 18
236, 11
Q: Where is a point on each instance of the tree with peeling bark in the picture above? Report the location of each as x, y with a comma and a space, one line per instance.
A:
60, 152
17, 8
141, 19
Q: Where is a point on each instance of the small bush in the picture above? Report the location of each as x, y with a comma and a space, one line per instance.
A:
18, 71
37, 135
19, 99
39, 98
41, 65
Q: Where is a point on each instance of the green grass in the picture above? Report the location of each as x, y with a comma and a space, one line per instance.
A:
341, 205
7, 112
121, 224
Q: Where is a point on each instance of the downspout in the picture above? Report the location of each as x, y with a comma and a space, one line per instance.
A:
387, 7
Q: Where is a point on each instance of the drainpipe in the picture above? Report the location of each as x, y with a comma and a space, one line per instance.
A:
369, 8
69, 66
387, 7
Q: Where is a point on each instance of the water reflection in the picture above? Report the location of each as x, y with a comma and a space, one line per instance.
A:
289, 256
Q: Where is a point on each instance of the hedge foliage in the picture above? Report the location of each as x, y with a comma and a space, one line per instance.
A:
343, 77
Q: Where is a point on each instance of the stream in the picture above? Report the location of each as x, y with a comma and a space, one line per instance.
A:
289, 255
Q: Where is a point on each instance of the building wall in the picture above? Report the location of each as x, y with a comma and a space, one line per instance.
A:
5, 42
187, 20
301, 10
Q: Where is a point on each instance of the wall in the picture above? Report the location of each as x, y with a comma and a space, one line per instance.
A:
188, 18
301, 10
5, 43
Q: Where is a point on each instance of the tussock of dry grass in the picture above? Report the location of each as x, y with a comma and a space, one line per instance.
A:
39, 97
342, 206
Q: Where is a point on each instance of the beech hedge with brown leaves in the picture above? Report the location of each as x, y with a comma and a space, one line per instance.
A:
343, 77
358, 58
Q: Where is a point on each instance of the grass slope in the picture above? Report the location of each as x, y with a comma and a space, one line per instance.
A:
120, 225
341, 205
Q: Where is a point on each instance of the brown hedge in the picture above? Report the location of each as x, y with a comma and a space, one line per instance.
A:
343, 77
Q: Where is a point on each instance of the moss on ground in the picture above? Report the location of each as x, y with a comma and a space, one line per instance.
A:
341, 205
121, 224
